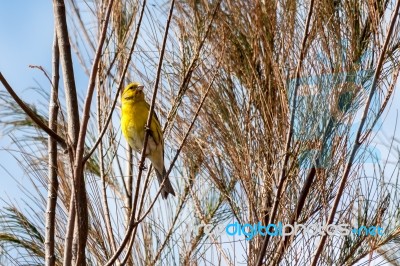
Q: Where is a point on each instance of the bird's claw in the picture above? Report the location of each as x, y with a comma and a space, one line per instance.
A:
143, 167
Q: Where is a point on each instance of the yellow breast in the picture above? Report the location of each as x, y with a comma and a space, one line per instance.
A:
133, 121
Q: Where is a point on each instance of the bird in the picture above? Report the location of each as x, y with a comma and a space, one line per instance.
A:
135, 111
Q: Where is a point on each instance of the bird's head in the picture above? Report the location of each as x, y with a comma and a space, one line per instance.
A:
133, 93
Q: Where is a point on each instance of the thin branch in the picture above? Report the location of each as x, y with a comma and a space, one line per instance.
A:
384, 104
31, 114
128, 184
44, 71
106, 210
52, 190
81, 25
67, 260
357, 143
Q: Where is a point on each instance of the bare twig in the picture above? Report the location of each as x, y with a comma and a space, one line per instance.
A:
128, 184
81, 25
67, 260
44, 72
72, 109
31, 114
52, 151
106, 210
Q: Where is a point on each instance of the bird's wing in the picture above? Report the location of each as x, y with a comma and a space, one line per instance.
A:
155, 128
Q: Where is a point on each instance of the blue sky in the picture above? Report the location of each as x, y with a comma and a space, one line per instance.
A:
26, 38
26, 29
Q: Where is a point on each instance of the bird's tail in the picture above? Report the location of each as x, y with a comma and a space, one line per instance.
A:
167, 187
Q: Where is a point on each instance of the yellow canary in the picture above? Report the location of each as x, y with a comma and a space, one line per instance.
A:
135, 111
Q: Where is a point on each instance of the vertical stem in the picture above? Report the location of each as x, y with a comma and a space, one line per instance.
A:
52, 152
72, 109
67, 70
128, 196
69, 231
107, 218
79, 185
128, 184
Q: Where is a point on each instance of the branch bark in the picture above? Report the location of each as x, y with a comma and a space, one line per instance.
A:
67, 70
72, 110
52, 152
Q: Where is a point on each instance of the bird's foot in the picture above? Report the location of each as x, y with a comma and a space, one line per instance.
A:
143, 167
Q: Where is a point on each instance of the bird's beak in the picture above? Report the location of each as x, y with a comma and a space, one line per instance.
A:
140, 87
